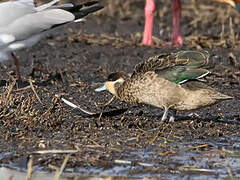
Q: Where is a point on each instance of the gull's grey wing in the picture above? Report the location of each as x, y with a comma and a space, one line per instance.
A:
10, 11
32, 24
46, 6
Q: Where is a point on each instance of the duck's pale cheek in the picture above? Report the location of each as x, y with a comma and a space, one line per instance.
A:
111, 87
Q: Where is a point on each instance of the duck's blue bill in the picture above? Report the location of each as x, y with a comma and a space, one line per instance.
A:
102, 88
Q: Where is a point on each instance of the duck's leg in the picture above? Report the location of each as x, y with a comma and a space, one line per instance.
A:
165, 114
149, 17
16, 62
173, 115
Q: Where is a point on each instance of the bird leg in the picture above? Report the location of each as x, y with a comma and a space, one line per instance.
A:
165, 114
149, 16
16, 62
173, 115
176, 33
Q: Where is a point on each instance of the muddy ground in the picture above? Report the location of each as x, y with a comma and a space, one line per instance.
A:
78, 57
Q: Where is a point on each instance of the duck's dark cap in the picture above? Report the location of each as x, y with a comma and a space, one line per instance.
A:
115, 76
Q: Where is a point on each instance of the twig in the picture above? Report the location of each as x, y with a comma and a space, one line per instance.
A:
106, 104
30, 169
109, 102
199, 146
119, 161
55, 151
59, 171
194, 168
22, 89
10, 89
32, 87
232, 34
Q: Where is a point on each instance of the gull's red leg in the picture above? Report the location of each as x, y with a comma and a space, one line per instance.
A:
176, 34
149, 16
15, 59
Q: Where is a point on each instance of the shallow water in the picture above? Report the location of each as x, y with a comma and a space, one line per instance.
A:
219, 160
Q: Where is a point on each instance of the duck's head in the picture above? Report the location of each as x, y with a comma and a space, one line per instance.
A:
113, 82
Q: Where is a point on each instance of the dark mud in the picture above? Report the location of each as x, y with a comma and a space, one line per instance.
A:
127, 140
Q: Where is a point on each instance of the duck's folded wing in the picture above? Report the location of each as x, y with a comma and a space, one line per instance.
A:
190, 71
195, 58
176, 67
182, 74
159, 62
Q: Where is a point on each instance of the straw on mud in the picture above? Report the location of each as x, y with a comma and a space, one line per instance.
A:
55, 151
108, 148
227, 151
59, 171
32, 87
109, 102
10, 89
232, 34
125, 162
105, 105
115, 149
229, 169
158, 134
97, 145
118, 161
167, 153
199, 146
53, 105
30, 169
222, 31
194, 168
145, 164
22, 89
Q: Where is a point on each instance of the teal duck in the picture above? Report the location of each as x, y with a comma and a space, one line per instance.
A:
168, 81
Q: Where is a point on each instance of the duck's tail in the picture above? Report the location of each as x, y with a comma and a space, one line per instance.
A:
220, 96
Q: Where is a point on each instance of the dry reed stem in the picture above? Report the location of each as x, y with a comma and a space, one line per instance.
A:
33, 89
232, 34
59, 171
55, 151
10, 89
30, 169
